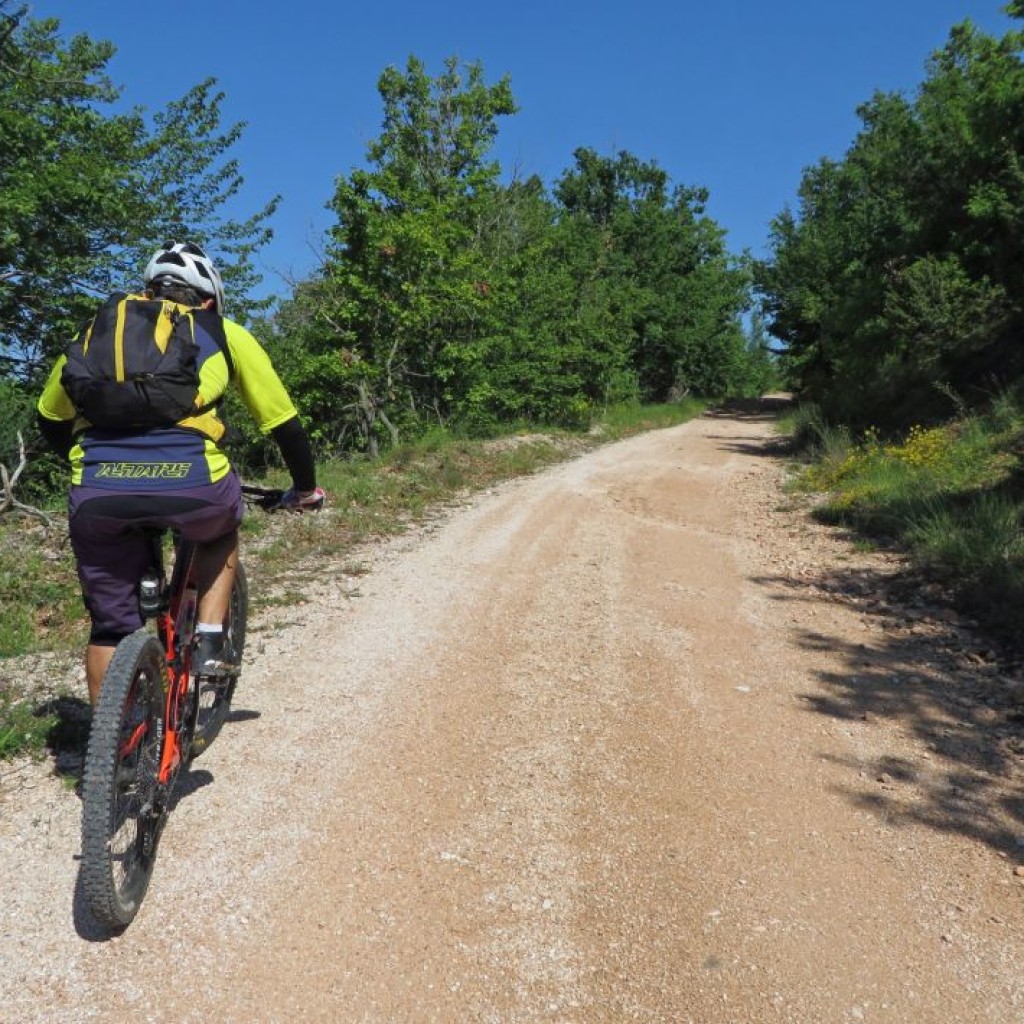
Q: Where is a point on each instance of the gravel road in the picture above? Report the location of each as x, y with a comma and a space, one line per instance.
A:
629, 740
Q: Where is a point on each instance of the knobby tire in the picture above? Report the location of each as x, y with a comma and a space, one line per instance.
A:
215, 695
121, 821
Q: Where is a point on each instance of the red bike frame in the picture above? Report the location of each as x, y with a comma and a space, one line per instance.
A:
175, 627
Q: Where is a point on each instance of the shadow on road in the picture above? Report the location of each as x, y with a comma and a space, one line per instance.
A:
755, 411
940, 681
767, 406
935, 675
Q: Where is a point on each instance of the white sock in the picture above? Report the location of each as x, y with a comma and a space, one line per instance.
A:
207, 627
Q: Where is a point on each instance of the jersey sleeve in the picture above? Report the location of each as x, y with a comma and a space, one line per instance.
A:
54, 403
262, 391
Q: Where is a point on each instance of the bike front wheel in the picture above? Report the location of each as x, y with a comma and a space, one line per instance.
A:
121, 816
214, 695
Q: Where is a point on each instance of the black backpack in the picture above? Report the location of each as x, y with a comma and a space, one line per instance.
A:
135, 366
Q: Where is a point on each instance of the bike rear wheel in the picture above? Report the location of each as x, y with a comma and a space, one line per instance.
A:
121, 816
214, 695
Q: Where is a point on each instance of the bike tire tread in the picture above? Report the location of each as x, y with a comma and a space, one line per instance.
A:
112, 906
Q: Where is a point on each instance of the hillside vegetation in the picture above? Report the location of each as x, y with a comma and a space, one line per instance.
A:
897, 283
897, 287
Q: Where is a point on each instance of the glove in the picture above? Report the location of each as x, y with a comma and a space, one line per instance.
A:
303, 501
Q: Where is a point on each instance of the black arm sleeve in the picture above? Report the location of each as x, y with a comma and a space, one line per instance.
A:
58, 434
293, 441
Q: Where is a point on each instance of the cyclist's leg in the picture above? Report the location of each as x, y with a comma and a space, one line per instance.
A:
222, 606
216, 571
214, 528
216, 662
111, 557
97, 660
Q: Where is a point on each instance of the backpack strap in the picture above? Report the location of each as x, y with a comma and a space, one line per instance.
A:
213, 324
109, 306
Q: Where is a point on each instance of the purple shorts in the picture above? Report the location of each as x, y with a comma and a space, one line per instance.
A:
113, 553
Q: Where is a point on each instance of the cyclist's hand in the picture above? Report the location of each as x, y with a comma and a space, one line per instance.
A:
303, 501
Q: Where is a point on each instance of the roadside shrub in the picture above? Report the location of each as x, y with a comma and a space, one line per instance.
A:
981, 539
952, 494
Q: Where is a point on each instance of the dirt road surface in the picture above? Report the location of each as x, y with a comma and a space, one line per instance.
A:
629, 740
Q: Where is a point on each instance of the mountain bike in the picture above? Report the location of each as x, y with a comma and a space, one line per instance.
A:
153, 716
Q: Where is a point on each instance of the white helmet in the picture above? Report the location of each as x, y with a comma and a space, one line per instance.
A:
185, 263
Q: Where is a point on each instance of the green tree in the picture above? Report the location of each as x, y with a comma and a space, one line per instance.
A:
674, 292
86, 193
557, 350
450, 296
59, 180
899, 279
406, 288
186, 179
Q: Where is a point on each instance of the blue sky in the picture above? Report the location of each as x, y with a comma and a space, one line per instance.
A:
738, 96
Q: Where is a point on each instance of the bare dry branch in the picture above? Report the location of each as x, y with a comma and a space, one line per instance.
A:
8, 481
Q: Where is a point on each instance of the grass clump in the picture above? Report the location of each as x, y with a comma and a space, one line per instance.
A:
621, 421
951, 494
23, 729
40, 602
982, 538
811, 433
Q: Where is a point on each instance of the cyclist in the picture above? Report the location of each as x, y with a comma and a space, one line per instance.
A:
177, 477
